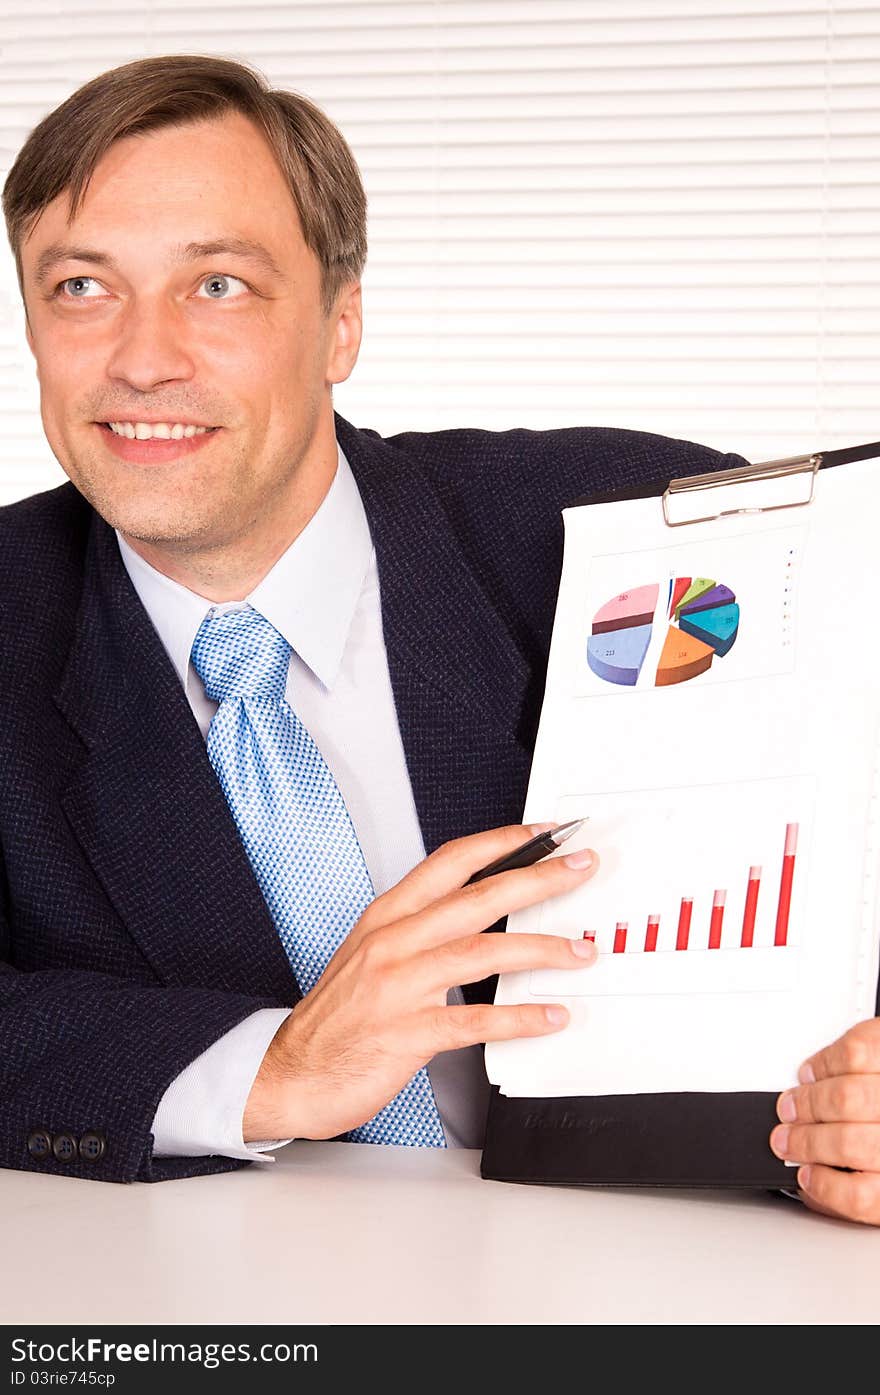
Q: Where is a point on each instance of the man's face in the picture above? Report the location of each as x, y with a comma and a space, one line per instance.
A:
149, 334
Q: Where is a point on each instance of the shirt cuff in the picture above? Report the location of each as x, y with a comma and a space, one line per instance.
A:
202, 1111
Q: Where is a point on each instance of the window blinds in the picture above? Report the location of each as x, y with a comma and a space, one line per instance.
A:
582, 212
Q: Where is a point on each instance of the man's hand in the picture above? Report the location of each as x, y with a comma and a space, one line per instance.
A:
379, 1011
831, 1121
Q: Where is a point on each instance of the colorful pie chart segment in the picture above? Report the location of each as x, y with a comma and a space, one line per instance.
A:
626, 611
704, 617
716, 596
682, 658
698, 587
717, 627
618, 655
679, 586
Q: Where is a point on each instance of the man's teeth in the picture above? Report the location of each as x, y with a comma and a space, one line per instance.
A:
161, 430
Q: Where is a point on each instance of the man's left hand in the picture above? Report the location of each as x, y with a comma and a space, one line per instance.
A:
832, 1121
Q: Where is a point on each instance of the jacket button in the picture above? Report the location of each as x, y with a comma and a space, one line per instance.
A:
92, 1146
64, 1147
39, 1143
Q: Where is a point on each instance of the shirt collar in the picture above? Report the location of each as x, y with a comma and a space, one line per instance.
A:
309, 595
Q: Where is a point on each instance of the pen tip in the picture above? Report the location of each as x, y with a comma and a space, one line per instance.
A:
567, 830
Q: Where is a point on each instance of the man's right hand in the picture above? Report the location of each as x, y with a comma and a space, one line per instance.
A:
379, 1011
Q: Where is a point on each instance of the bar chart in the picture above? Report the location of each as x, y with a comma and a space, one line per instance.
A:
697, 889
745, 934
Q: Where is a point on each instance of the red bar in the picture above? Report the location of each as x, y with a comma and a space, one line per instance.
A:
684, 922
590, 935
717, 916
620, 937
651, 933
785, 881
754, 886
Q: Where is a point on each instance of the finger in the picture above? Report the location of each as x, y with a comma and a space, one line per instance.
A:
450, 1028
477, 956
473, 908
448, 868
840, 1098
835, 1145
857, 1052
854, 1196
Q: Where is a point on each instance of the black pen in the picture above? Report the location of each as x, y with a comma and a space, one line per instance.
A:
530, 852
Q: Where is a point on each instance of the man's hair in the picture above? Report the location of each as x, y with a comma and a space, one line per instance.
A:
61, 153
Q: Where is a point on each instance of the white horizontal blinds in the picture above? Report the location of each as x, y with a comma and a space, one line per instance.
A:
622, 213
617, 215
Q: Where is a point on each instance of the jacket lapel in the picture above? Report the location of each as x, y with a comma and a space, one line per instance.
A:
145, 803
461, 684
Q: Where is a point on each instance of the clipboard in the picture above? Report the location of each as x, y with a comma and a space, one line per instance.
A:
684, 1140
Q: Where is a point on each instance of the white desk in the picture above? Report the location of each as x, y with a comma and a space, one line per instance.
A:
336, 1232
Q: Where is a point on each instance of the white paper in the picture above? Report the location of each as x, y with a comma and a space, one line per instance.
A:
691, 789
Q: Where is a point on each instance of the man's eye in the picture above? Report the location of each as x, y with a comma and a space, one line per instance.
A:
218, 285
76, 282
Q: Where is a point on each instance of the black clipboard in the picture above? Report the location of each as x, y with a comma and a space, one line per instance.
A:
669, 1140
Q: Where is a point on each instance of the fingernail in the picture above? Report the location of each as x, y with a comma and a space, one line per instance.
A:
584, 949
786, 1108
536, 828
803, 1178
779, 1142
806, 1075
580, 861
556, 1014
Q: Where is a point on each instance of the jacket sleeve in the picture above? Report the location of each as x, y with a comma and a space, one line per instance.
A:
85, 1059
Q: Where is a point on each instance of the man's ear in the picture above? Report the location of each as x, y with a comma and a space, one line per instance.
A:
345, 342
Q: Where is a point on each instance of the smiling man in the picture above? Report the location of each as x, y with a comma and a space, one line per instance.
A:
257, 663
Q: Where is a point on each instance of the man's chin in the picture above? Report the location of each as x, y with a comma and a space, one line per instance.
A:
178, 536
151, 522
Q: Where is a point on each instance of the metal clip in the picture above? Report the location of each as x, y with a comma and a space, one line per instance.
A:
806, 465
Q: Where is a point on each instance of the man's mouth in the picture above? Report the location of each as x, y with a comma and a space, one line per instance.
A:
154, 442
156, 430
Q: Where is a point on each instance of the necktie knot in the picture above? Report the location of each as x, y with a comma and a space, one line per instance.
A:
237, 653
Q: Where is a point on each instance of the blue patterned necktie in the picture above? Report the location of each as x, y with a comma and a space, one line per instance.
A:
294, 826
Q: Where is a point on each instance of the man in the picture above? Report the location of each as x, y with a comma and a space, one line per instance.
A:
256, 662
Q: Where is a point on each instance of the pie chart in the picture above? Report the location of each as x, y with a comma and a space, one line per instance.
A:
701, 621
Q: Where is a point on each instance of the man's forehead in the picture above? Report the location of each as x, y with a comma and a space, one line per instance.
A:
224, 155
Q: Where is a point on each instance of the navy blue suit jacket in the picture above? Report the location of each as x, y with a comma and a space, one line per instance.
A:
132, 930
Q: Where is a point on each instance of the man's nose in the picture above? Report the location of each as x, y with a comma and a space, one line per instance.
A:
151, 346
